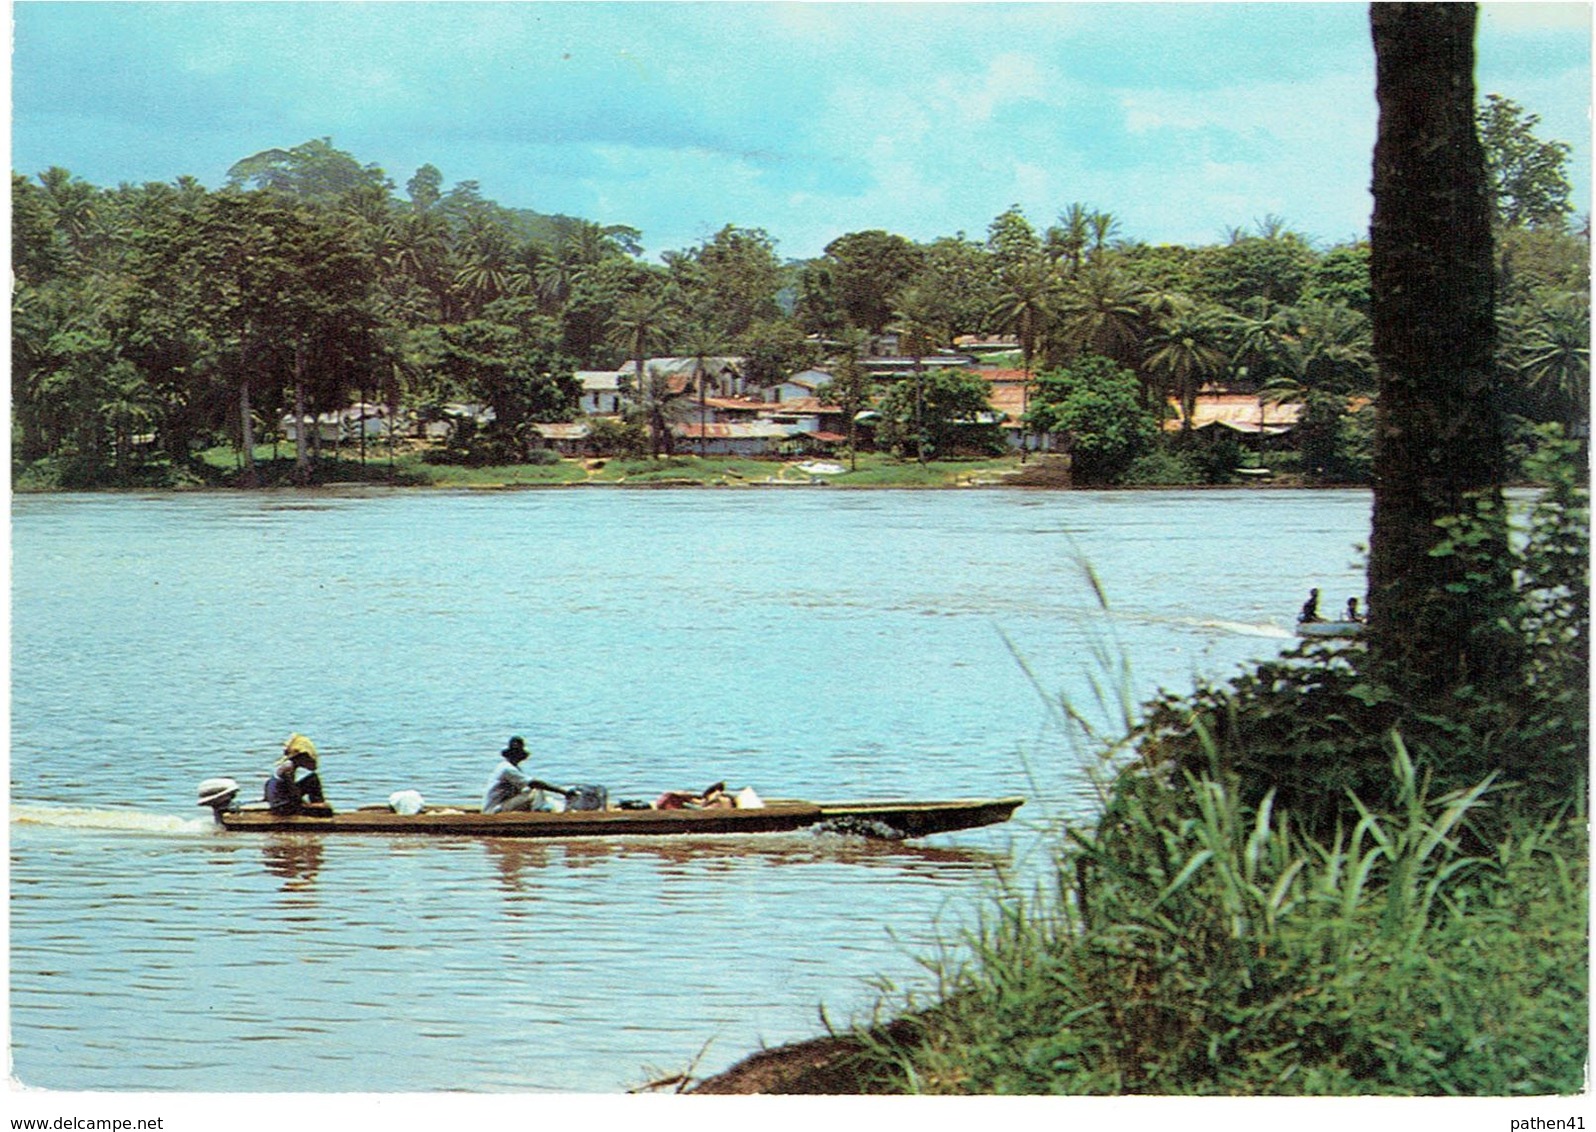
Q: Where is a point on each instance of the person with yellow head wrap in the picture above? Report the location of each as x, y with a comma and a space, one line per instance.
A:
286, 794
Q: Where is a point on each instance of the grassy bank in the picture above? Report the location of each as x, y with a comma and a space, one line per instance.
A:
1195, 945
221, 468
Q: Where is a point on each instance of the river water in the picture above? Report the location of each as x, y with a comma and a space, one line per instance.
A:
808, 643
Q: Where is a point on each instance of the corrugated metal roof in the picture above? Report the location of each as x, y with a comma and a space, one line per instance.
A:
1241, 412
802, 405
754, 430
562, 430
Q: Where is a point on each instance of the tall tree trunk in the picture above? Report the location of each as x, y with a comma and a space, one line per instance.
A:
301, 453
1439, 447
246, 431
919, 412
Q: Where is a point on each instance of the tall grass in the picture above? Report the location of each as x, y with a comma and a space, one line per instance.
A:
1195, 944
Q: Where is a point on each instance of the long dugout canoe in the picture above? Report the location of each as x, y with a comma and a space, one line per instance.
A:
909, 819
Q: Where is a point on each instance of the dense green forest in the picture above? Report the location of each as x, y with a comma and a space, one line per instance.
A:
153, 321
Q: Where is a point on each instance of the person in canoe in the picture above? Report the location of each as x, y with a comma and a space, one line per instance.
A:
287, 791
1352, 613
1310, 609
509, 790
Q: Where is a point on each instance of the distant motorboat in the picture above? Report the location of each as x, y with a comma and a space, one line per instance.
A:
1329, 628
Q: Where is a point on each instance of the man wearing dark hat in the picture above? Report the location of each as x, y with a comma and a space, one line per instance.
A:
509, 789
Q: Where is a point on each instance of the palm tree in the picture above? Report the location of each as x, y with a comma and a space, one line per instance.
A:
1028, 307
74, 205
701, 343
1280, 390
643, 322
1104, 313
1337, 343
490, 269
660, 402
921, 332
1103, 225
1257, 336
1552, 355
1069, 239
850, 387
1185, 353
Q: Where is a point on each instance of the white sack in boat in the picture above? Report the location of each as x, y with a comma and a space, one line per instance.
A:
748, 800
406, 801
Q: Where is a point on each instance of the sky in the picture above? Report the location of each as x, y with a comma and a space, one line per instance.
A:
808, 120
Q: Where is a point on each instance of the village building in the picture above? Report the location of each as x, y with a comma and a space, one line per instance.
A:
1244, 413
363, 418
601, 392
568, 439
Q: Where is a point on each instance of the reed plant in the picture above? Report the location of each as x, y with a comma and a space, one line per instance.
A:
1196, 944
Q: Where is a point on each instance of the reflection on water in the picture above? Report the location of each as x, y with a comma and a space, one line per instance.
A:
269, 954
295, 859
808, 644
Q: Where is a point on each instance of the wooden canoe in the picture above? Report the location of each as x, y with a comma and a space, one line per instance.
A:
908, 819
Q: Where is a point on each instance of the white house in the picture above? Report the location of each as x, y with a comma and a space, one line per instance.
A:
601, 392
360, 419
798, 386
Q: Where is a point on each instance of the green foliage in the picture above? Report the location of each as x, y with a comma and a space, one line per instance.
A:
1336, 441
958, 276
1096, 407
145, 314
950, 409
736, 276
863, 272
773, 350
1012, 241
1341, 277
1529, 181
1216, 457
1196, 945
1174, 462
314, 171
607, 436
1272, 267
1162, 467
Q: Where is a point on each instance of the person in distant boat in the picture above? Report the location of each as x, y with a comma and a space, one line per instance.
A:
288, 792
509, 790
1310, 608
1352, 613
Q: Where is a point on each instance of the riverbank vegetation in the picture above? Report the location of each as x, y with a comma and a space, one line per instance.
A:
152, 323
413, 466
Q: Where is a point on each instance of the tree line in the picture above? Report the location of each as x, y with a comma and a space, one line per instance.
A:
151, 321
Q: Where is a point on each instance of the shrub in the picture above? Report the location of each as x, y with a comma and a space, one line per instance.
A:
1096, 405
1162, 467
1196, 944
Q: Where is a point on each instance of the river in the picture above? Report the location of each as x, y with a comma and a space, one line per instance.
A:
806, 642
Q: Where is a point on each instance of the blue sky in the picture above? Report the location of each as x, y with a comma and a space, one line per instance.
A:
808, 120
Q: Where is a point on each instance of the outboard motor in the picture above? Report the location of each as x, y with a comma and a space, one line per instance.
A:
218, 794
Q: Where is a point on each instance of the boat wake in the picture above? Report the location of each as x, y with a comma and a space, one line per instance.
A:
1243, 628
122, 821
